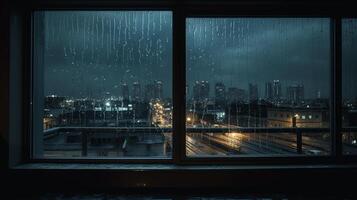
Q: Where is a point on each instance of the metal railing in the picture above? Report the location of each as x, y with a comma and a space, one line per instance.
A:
139, 131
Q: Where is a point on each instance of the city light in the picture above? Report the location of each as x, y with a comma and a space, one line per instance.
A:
188, 119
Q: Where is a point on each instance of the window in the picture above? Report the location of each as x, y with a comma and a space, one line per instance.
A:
349, 85
103, 80
251, 69
104, 83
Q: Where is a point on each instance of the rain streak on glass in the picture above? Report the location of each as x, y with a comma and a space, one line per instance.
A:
106, 79
249, 77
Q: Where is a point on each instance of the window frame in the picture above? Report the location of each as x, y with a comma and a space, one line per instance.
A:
33, 114
181, 11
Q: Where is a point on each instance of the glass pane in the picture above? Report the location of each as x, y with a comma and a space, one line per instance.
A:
103, 80
249, 78
349, 85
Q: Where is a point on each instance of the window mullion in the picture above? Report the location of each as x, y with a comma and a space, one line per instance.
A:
179, 82
336, 87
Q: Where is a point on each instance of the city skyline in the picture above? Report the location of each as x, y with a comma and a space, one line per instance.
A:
218, 92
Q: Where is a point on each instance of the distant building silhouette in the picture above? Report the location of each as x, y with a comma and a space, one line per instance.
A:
158, 90
295, 94
136, 91
236, 94
125, 91
201, 90
269, 91
253, 92
220, 94
277, 91
149, 93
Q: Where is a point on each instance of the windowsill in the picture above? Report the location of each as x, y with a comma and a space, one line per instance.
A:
170, 176
172, 167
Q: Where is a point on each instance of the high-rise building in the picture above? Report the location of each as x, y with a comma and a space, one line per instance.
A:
220, 94
277, 92
149, 93
153, 91
253, 92
268, 91
204, 90
236, 94
125, 91
295, 94
318, 94
158, 90
136, 91
201, 90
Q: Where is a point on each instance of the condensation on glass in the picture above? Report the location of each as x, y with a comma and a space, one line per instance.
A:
102, 84
248, 78
349, 86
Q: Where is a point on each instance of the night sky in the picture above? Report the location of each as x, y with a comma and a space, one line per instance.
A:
90, 53
349, 58
253, 50
93, 52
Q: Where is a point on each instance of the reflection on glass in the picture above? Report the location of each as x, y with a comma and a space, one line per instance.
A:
349, 85
106, 83
247, 78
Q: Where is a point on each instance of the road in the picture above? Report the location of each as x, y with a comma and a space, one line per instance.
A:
252, 143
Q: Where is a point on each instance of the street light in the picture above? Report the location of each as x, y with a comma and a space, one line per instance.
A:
107, 103
188, 119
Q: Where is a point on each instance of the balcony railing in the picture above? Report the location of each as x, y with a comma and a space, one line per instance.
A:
86, 132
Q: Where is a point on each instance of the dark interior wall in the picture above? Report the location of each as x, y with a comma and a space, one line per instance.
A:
277, 180
4, 83
323, 182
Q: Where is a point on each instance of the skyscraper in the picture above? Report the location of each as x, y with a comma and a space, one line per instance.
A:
136, 91
158, 90
268, 91
125, 91
295, 94
201, 90
277, 93
236, 94
220, 94
253, 92
149, 93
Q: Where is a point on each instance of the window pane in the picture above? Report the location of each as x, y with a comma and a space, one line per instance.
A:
349, 85
103, 81
247, 78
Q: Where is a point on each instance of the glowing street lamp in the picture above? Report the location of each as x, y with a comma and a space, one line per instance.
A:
188, 119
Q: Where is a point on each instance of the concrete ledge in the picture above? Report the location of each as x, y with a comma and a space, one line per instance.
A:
171, 167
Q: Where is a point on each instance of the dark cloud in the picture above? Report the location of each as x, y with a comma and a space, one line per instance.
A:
95, 51
349, 58
251, 50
